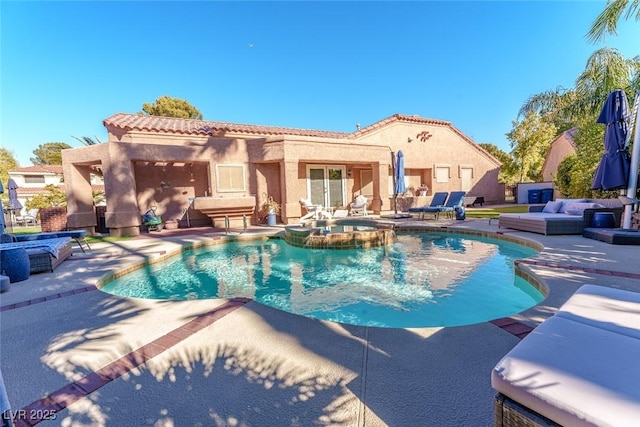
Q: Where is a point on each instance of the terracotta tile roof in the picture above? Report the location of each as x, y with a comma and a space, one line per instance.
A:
137, 122
399, 118
55, 169
32, 191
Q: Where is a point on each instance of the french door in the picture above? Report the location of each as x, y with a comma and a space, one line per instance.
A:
326, 185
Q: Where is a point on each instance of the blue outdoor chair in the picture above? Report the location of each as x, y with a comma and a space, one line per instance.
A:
455, 200
437, 202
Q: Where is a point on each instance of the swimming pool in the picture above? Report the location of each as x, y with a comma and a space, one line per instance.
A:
421, 280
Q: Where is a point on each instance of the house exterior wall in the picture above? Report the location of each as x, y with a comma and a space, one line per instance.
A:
443, 148
153, 167
560, 148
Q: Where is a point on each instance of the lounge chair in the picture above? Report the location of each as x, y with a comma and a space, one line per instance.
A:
456, 199
28, 218
438, 201
359, 206
313, 211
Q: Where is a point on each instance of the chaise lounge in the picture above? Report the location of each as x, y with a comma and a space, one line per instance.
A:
578, 368
562, 216
438, 200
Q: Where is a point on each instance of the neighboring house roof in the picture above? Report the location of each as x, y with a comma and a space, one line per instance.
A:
38, 169
569, 134
32, 191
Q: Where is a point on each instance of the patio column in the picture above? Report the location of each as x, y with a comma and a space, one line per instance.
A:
80, 211
123, 215
290, 193
380, 187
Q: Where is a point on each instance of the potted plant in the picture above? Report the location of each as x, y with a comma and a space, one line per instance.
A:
422, 190
269, 209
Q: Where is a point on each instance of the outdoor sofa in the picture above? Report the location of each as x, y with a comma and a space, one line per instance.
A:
45, 254
578, 368
562, 216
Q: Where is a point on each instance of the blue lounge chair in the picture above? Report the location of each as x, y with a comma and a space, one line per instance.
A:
455, 200
437, 202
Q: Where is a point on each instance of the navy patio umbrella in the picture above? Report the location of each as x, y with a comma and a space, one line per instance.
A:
612, 172
400, 186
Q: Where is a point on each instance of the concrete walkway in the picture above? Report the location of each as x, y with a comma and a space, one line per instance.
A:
72, 355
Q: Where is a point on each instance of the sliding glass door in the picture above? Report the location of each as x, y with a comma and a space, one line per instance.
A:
326, 185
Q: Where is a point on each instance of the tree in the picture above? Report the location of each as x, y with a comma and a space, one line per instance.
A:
606, 70
7, 163
167, 106
607, 21
509, 171
49, 153
86, 140
530, 141
53, 197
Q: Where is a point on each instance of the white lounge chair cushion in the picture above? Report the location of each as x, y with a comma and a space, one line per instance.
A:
574, 374
607, 308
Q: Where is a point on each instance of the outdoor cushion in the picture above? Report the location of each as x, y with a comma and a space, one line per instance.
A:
579, 207
541, 216
607, 308
552, 206
566, 202
574, 374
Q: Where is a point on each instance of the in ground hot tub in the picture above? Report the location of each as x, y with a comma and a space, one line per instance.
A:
340, 234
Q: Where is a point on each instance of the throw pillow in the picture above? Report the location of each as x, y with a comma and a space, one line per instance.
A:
572, 208
552, 207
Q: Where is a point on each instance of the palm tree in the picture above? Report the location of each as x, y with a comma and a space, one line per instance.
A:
605, 71
86, 140
607, 21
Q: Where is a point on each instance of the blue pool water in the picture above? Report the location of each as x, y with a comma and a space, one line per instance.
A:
422, 280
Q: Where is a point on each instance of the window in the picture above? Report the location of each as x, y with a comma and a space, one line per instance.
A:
442, 173
34, 179
229, 178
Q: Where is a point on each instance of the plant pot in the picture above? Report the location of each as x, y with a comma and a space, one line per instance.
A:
423, 193
171, 224
271, 219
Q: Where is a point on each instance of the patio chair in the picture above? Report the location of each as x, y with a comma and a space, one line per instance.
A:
455, 200
359, 206
438, 201
313, 211
28, 218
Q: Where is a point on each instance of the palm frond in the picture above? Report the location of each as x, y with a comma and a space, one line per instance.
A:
607, 21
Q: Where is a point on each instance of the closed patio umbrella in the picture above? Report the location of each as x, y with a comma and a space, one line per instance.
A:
399, 185
12, 189
612, 172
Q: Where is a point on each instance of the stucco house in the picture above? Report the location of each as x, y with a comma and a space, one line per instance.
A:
32, 180
199, 172
560, 148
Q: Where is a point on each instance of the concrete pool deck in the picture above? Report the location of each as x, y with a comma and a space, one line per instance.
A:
72, 355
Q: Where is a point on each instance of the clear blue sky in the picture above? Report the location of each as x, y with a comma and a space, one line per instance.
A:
66, 66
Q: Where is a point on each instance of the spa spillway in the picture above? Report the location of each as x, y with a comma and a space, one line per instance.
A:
340, 234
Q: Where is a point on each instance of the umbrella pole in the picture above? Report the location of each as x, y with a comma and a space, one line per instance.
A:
633, 173
393, 170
